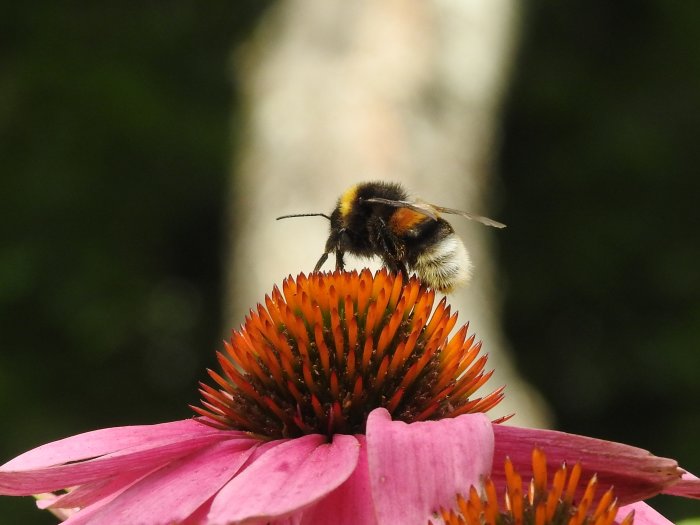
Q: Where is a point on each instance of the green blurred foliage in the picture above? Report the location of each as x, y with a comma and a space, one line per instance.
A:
115, 127
115, 133
600, 172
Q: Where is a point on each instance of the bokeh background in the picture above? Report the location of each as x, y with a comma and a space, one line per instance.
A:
119, 127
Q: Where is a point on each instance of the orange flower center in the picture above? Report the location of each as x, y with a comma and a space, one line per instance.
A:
329, 348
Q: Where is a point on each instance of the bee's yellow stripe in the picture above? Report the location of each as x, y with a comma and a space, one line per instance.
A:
346, 200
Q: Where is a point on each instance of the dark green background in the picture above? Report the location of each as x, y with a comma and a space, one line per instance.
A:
115, 132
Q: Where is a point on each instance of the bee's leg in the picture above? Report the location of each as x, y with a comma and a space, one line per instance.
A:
393, 251
339, 263
321, 261
396, 266
404, 271
341, 247
335, 243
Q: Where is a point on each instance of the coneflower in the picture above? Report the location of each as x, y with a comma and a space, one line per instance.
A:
343, 399
330, 348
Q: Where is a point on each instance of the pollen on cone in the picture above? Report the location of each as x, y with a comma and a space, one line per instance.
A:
327, 349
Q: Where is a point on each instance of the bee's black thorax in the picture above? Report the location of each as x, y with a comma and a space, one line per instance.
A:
360, 224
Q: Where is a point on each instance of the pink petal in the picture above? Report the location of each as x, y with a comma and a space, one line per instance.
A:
294, 519
417, 468
175, 492
84, 515
643, 514
90, 493
105, 441
635, 473
688, 487
349, 504
137, 458
286, 478
199, 516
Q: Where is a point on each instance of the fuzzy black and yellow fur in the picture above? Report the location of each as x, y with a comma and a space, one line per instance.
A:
380, 218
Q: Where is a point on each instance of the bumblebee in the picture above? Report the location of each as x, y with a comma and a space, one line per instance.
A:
379, 218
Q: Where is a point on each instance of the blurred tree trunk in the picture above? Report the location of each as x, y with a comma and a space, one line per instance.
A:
339, 92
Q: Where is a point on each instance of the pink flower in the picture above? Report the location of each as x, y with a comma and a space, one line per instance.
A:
342, 401
187, 472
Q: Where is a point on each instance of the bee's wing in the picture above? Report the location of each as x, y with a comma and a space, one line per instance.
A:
418, 206
477, 218
431, 210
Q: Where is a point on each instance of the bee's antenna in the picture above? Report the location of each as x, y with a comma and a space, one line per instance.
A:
304, 215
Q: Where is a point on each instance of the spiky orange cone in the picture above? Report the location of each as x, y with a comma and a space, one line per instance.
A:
329, 348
